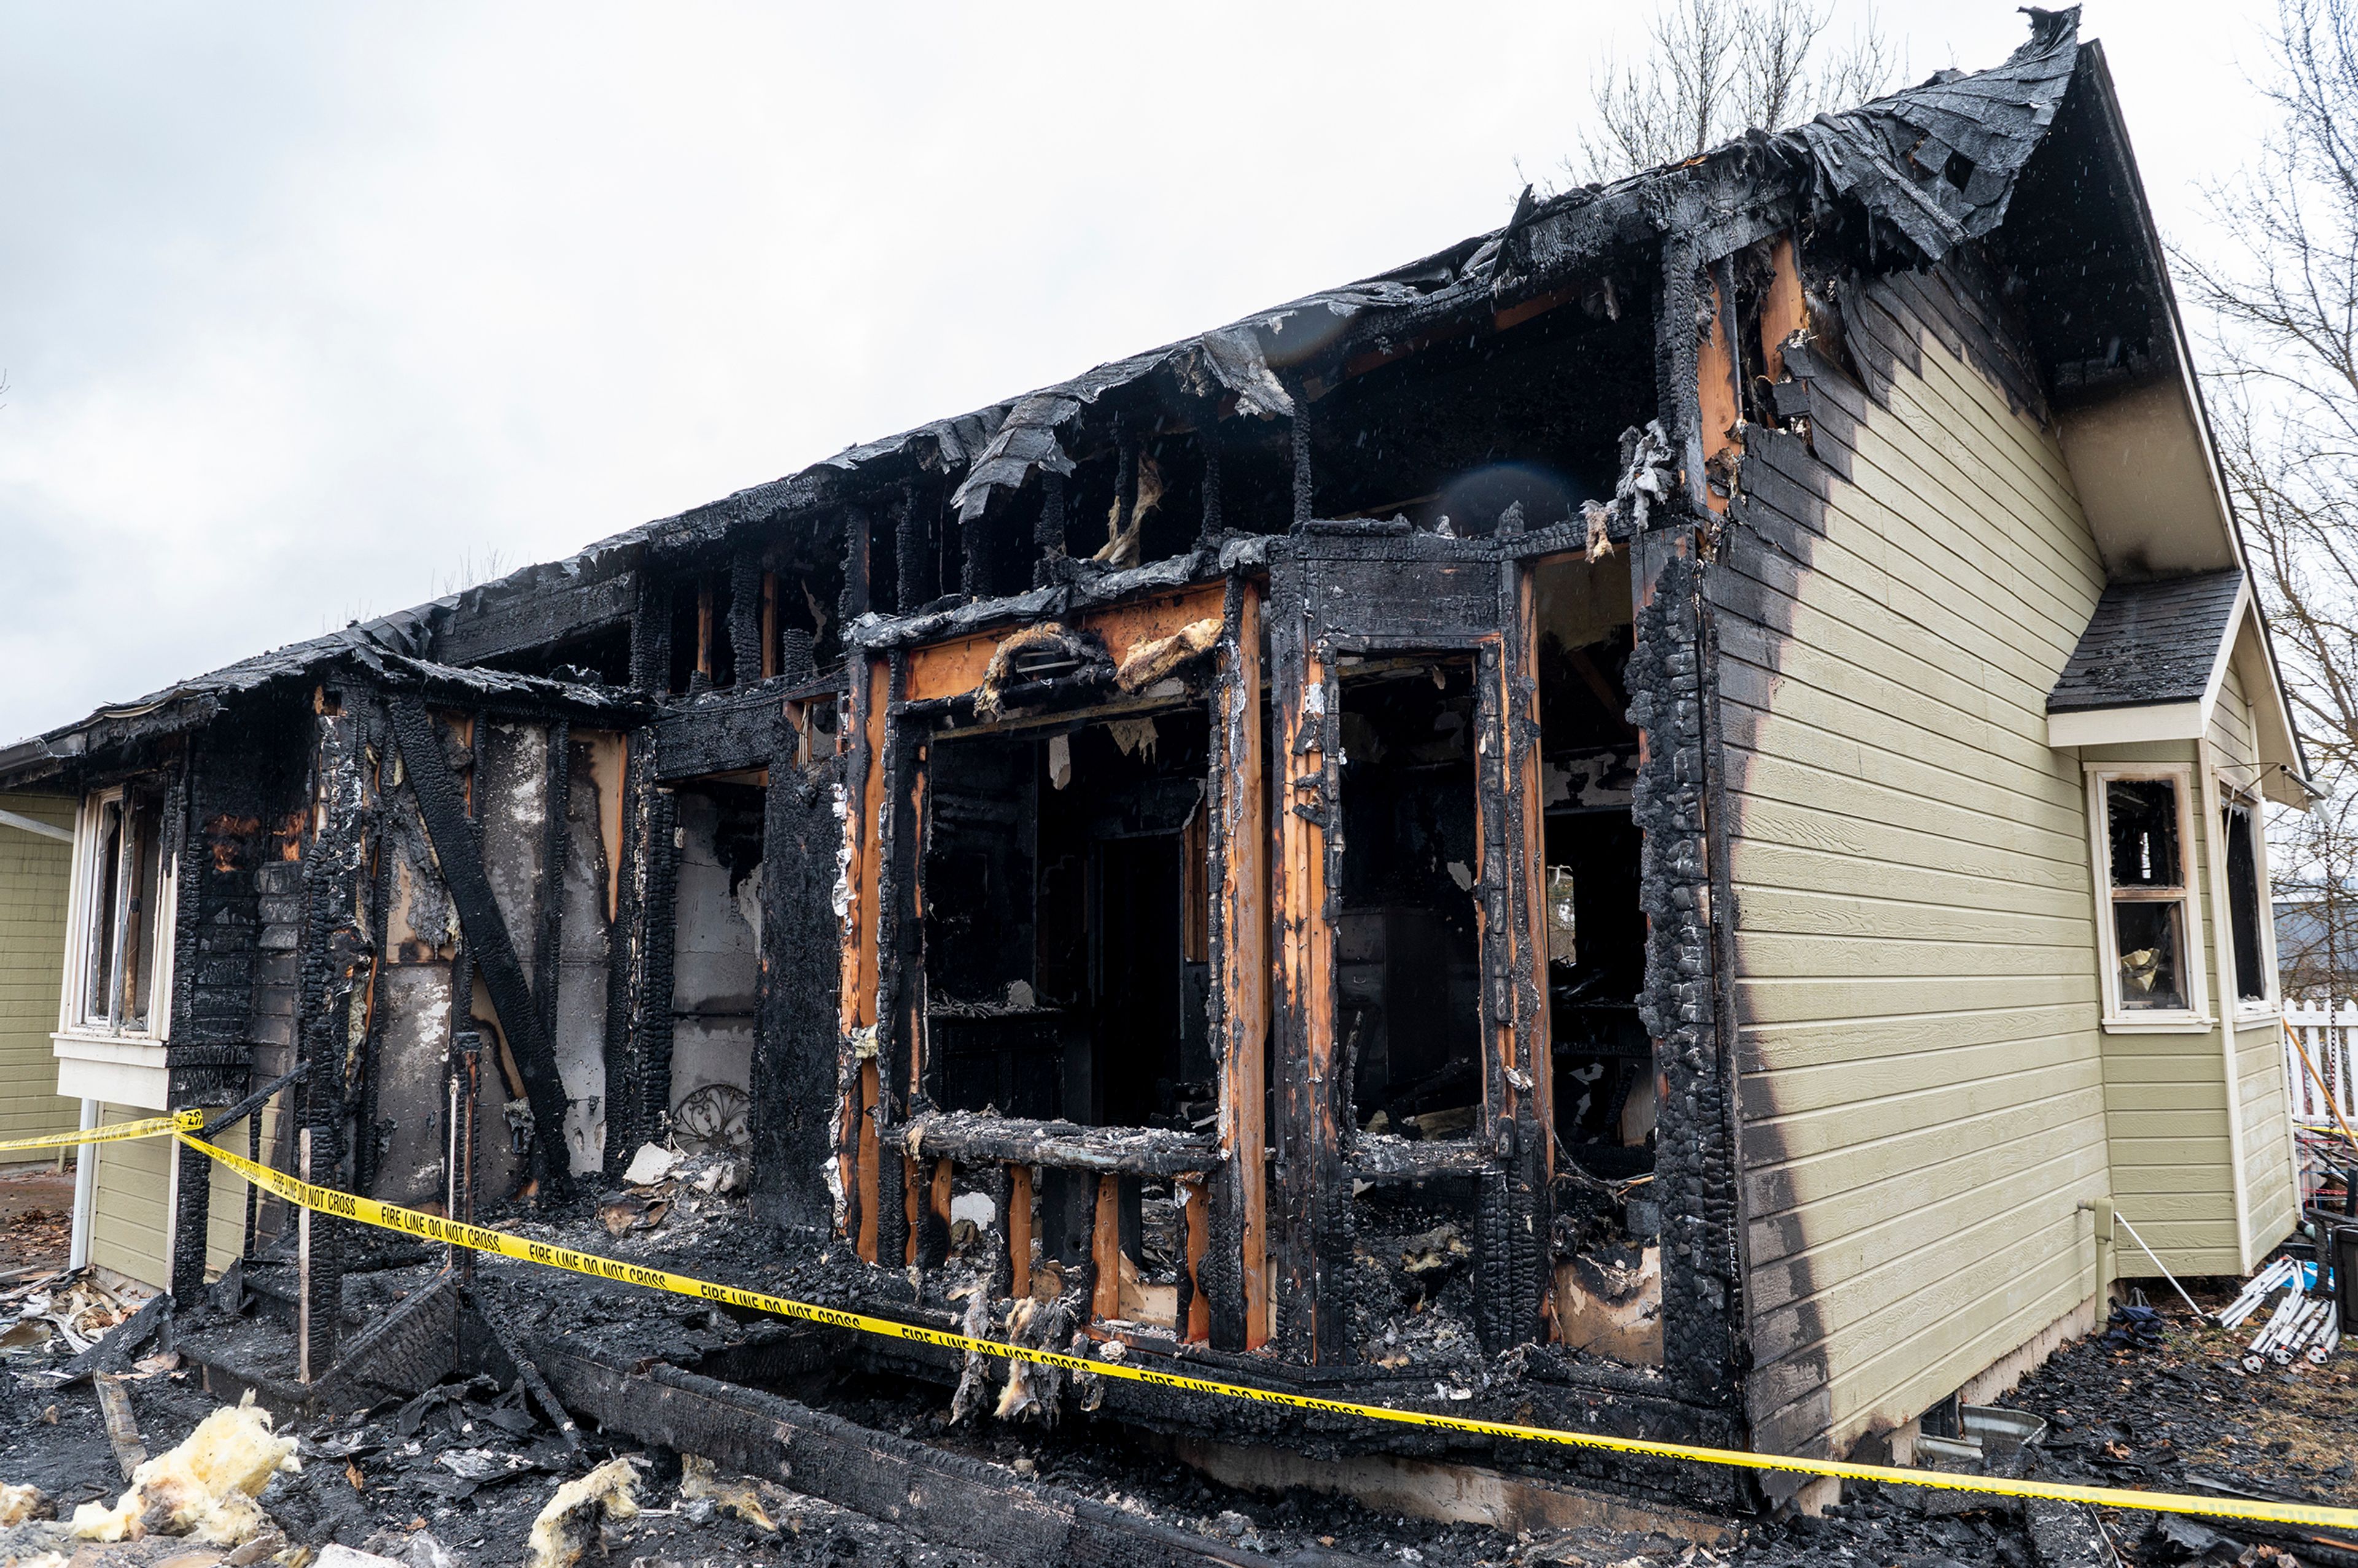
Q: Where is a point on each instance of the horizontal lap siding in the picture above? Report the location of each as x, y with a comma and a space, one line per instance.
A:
225, 1208
33, 873
1922, 1090
2172, 1165
2269, 1190
130, 1219
2267, 1135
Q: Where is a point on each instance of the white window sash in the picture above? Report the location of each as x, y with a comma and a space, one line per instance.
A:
2196, 1014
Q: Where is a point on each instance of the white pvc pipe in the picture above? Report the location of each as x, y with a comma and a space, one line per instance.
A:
2159, 1264
85, 1202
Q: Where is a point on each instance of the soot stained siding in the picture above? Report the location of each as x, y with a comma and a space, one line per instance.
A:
1923, 1108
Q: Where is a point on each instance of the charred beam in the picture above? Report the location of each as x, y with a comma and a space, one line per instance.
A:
476, 631
972, 1138
938, 1495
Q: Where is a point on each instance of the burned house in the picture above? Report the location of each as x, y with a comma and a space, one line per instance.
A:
1647, 823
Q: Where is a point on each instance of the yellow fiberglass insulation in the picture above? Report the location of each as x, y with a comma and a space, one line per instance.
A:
205, 1487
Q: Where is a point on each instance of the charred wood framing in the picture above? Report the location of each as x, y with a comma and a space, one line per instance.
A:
548, 940
970, 1138
1234, 1272
746, 648
1048, 530
638, 969
900, 992
651, 635
1249, 548
338, 935
1311, 1224
489, 941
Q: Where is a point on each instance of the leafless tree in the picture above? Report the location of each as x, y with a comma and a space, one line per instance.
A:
2280, 298
1712, 68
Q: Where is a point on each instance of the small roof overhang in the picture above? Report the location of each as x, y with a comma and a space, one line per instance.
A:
2153, 661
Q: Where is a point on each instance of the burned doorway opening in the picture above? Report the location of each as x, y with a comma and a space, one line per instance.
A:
715, 957
1607, 1084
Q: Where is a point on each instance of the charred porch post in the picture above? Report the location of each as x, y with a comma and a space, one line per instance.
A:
1695, 1175
1313, 1196
338, 940
1234, 1269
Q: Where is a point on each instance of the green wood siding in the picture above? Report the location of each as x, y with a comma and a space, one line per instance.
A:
131, 1222
33, 874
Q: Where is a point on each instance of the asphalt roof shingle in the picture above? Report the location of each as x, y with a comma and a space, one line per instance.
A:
2148, 642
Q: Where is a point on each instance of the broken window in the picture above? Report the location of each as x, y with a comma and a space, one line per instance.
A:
122, 937
2144, 839
1066, 963
1407, 938
2243, 902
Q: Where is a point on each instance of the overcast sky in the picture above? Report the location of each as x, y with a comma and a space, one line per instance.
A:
305, 310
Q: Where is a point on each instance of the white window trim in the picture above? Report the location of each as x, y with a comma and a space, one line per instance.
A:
81, 912
2196, 1018
2270, 1006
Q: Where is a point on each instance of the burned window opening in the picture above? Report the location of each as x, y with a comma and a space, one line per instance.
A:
2144, 861
1065, 970
2243, 904
1407, 938
124, 939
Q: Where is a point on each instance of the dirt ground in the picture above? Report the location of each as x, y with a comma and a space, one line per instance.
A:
458, 1475
36, 1218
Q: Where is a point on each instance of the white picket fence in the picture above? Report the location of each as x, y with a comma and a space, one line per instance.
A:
2330, 1035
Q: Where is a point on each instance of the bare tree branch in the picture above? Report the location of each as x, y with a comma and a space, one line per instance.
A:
1712, 68
2282, 307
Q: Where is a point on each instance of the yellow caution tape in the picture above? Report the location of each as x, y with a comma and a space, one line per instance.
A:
480, 1238
153, 1127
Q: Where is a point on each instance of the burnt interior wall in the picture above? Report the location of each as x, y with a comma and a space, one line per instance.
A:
715, 936
539, 798
1467, 426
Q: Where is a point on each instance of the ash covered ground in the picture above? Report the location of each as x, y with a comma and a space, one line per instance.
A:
459, 1475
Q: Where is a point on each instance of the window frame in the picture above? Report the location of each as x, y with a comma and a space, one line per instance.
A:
88, 884
2270, 1001
2196, 1016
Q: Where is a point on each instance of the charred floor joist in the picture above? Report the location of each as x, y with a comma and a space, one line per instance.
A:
1336, 850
